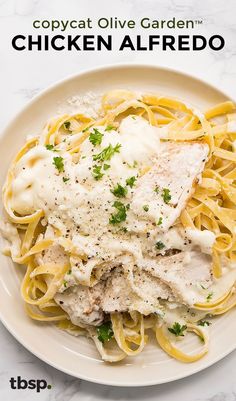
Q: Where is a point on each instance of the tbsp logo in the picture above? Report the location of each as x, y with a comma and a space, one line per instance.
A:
32, 384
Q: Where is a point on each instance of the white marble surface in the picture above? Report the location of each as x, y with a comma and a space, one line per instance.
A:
25, 74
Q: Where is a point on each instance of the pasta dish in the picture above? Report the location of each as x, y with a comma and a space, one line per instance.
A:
126, 222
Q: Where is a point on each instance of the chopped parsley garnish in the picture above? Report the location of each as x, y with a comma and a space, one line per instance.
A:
159, 221
96, 137
106, 166
65, 283
69, 271
49, 147
202, 286
105, 332
107, 153
59, 163
166, 195
203, 323
130, 181
65, 179
159, 245
110, 128
177, 329
97, 174
146, 208
67, 125
156, 189
209, 296
119, 191
121, 213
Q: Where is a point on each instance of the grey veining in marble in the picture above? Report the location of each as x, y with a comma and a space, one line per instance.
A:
23, 75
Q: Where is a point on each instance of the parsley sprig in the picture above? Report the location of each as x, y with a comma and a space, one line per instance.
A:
105, 332
50, 147
96, 137
121, 214
96, 172
104, 155
159, 245
131, 181
107, 153
209, 296
166, 195
59, 163
177, 329
119, 191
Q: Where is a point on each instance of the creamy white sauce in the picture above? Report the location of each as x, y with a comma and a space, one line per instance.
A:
81, 207
10, 233
187, 239
204, 239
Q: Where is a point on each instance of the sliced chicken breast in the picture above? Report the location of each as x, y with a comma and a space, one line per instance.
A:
83, 304
142, 296
162, 193
188, 274
183, 278
87, 305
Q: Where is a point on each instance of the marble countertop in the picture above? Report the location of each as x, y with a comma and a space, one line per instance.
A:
25, 74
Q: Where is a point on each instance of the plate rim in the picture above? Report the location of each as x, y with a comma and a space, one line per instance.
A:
105, 67
7, 126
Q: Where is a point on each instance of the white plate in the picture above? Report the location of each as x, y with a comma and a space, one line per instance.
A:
78, 356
